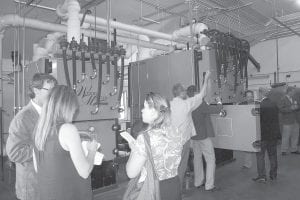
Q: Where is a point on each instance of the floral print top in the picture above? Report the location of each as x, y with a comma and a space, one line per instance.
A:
166, 147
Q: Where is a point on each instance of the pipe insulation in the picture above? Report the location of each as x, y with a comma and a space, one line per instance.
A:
134, 29
192, 30
15, 20
71, 9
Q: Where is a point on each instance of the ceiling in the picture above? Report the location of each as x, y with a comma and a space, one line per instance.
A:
247, 19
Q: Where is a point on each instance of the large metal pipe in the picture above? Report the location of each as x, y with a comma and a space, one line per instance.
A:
15, 20
192, 30
70, 9
1, 95
132, 28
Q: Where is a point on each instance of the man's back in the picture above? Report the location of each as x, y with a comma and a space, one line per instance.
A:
181, 117
202, 121
269, 120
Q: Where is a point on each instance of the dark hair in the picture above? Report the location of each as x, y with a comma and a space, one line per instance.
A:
162, 106
38, 81
177, 89
190, 91
249, 91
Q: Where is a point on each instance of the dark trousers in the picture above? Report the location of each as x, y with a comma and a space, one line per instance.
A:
271, 148
170, 189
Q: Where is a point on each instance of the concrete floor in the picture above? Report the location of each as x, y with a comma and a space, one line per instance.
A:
235, 183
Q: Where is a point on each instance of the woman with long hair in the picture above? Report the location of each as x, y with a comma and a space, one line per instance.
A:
62, 167
165, 146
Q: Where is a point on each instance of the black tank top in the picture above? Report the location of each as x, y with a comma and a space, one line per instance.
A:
57, 175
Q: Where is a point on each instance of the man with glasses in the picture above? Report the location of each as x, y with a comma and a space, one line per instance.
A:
20, 142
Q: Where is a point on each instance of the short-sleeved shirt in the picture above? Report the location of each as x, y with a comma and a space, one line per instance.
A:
166, 147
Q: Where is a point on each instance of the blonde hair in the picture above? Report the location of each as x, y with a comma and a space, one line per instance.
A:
60, 107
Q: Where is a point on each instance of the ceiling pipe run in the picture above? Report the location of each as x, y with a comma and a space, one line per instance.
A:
15, 20
133, 29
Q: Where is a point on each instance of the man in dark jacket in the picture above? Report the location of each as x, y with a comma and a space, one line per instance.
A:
20, 140
288, 107
270, 134
202, 144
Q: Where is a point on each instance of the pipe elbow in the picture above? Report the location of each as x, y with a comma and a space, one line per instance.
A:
94, 74
114, 92
94, 112
83, 76
107, 80
115, 106
62, 12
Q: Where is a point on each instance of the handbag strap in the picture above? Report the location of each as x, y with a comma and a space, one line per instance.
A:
148, 146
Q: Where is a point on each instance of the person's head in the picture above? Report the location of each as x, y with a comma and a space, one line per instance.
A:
60, 107
249, 96
179, 91
40, 86
191, 90
156, 111
290, 91
263, 92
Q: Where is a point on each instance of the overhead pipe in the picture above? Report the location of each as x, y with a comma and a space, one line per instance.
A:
192, 30
62, 11
15, 20
132, 28
178, 35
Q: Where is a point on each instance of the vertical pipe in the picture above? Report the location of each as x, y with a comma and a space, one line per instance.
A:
129, 87
108, 10
1, 93
23, 65
73, 21
191, 22
115, 36
18, 70
277, 60
18, 63
196, 69
14, 71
